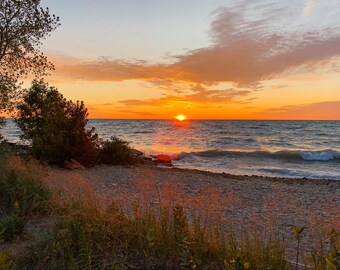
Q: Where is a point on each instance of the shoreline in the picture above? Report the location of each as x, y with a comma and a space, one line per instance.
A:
249, 177
246, 201
153, 160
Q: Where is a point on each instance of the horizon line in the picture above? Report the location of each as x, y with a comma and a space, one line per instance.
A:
199, 119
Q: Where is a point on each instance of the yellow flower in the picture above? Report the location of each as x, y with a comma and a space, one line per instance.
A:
16, 205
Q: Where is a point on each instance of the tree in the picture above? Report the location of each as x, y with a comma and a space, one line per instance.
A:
23, 25
56, 127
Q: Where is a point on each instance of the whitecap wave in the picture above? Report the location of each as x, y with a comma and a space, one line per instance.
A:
318, 155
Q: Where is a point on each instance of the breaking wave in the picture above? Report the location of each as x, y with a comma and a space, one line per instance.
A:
320, 155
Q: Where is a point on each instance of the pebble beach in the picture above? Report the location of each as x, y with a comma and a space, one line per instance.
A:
244, 204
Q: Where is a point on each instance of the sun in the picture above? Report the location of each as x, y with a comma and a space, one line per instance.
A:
180, 117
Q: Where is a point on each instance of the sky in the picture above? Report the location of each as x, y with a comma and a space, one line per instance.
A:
206, 59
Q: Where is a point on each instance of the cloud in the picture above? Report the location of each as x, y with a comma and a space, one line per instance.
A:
279, 86
98, 105
246, 49
107, 110
203, 96
314, 111
308, 7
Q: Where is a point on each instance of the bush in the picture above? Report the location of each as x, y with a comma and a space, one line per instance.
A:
11, 226
56, 127
116, 151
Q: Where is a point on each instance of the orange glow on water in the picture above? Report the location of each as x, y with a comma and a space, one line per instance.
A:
180, 117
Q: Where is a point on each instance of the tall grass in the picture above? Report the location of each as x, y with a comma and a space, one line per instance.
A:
327, 255
21, 196
89, 238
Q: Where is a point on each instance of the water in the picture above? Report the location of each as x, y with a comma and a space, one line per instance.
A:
299, 149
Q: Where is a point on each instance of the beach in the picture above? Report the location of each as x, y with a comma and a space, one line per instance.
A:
244, 204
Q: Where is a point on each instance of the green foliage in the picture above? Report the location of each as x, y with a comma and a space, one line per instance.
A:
333, 258
327, 256
56, 127
182, 237
116, 151
11, 226
23, 25
21, 197
297, 233
20, 193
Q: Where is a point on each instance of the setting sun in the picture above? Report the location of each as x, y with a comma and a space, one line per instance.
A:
180, 117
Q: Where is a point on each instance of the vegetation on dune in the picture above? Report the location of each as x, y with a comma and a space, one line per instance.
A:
22, 196
116, 151
87, 236
56, 127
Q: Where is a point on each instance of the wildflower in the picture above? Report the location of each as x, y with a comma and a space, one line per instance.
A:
16, 205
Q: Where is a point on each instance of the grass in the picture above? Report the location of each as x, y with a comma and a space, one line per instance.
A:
87, 236
22, 196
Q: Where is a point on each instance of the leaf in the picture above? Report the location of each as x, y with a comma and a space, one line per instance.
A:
330, 264
297, 231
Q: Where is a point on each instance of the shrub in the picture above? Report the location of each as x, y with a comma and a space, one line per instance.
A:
56, 127
116, 151
11, 226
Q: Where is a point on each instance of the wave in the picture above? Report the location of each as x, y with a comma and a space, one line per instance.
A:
299, 173
320, 155
143, 132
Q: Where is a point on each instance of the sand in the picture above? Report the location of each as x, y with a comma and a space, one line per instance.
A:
251, 204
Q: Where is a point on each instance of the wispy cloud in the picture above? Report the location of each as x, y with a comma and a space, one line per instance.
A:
245, 51
314, 111
202, 96
308, 7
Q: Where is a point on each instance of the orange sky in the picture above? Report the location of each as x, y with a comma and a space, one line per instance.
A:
225, 60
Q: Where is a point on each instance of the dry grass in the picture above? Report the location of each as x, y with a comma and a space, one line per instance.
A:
156, 227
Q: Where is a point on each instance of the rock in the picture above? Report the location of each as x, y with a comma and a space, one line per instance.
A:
145, 157
136, 152
163, 158
18, 148
72, 164
165, 164
149, 163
